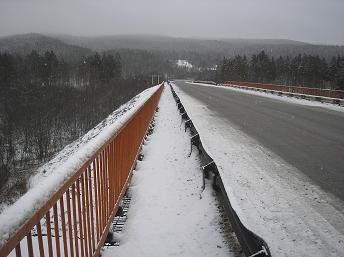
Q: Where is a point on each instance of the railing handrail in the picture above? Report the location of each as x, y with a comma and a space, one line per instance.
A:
27, 226
326, 92
282, 85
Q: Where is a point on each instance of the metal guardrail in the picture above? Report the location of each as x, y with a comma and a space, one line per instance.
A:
205, 82
252, 245
75, 220
322, 99
334, 94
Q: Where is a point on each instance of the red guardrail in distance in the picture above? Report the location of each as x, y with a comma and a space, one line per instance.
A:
300, 90
75, 221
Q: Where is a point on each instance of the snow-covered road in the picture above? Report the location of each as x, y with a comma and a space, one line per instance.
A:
169, 215
272, 198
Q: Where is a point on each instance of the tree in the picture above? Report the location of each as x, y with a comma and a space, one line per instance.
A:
111, 68
339, 77
49, 68
301, 70
34, 67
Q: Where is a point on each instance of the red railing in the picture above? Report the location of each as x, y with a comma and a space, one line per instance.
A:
75, 221
299, 90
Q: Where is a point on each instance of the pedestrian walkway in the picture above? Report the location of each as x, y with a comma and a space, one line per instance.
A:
169, 213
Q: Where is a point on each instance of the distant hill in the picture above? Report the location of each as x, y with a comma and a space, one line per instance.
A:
161, 49
220, 47
264, 41
165, 43
25, 43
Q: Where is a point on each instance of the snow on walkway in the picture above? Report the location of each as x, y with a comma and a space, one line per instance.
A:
271, 197
168, 214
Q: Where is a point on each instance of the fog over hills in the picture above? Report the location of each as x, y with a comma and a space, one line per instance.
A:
25, 43
213, 50
166, 43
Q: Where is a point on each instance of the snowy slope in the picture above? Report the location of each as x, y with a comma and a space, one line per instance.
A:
53, 174
169, 214
184, 64
271, 197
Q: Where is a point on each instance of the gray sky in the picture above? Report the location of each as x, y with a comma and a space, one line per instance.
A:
317, 21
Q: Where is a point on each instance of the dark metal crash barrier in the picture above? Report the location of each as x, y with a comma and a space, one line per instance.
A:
252, 245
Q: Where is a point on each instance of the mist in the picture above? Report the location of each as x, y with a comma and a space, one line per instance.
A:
314, 21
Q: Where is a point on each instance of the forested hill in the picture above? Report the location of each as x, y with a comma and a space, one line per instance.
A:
143, 55
200, 52
24, 44
67, 46
221, 47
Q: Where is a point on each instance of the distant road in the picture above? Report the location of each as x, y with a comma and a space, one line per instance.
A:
309, 138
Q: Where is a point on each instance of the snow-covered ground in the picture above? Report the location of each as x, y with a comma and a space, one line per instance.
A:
271, 197
184, 64
53, 174
169, 214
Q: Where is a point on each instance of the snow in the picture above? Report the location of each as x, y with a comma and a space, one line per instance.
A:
281, 98
169, 215
271, 197
35, 247
184, 64
53, 174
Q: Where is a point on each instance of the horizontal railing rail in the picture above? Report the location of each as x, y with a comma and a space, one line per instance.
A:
290, 89
76, 219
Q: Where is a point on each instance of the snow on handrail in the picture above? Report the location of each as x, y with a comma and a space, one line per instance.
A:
69, 212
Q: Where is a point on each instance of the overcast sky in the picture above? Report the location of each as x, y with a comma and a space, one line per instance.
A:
317, 21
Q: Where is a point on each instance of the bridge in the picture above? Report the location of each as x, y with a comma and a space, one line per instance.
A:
274, 161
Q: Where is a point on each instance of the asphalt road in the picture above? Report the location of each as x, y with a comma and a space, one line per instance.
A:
309, 138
